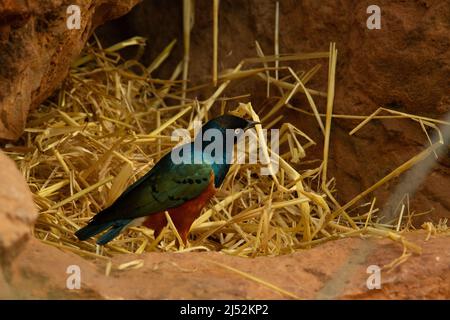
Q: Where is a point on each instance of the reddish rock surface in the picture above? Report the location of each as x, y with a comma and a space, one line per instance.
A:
37, 48
17, 210
39, 271
404, 66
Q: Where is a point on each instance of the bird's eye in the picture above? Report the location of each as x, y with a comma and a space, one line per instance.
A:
237, 131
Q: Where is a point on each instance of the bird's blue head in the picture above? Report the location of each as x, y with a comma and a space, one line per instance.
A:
229, 128
228, 121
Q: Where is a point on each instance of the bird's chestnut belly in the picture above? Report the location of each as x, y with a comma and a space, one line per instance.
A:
182, 216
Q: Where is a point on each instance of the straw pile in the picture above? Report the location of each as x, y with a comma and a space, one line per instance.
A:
111, 121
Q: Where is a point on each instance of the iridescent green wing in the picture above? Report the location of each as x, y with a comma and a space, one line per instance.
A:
167, 185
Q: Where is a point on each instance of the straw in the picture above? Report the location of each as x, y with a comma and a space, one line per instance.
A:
188, 22
276, 37
215, 38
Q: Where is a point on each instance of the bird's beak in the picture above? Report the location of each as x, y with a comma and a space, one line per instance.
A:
251, 124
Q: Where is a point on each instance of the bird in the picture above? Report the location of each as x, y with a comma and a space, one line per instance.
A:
182, 189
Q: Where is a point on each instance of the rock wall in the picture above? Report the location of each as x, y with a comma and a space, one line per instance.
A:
37, 48
17, 210
404, 66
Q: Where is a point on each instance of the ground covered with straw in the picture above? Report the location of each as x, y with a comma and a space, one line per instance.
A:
112, 120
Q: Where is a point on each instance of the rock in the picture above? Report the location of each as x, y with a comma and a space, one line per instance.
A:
40, 271
337, 269
17, 210
37, 48
405, 65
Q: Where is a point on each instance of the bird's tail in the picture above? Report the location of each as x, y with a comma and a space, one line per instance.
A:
92, 229
113, 232
98, 224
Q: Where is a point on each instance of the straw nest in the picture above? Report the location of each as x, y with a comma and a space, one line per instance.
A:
111, 121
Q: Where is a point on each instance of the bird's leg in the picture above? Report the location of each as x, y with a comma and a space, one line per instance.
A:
157, 222
183, 226
183, 235
183, 221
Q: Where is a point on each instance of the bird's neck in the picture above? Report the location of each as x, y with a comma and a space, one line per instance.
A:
220, 172
217, 150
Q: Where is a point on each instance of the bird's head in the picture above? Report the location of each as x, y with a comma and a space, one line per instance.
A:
228, 121
217, 139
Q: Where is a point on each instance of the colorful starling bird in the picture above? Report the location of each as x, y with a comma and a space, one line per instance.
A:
181, 189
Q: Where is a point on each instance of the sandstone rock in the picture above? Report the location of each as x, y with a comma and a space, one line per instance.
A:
334, 270
17, 210
37, 48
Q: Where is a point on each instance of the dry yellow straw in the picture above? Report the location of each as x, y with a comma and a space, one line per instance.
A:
257, 280
330, 98
277, 36
215, 38
109, 125
187, 26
